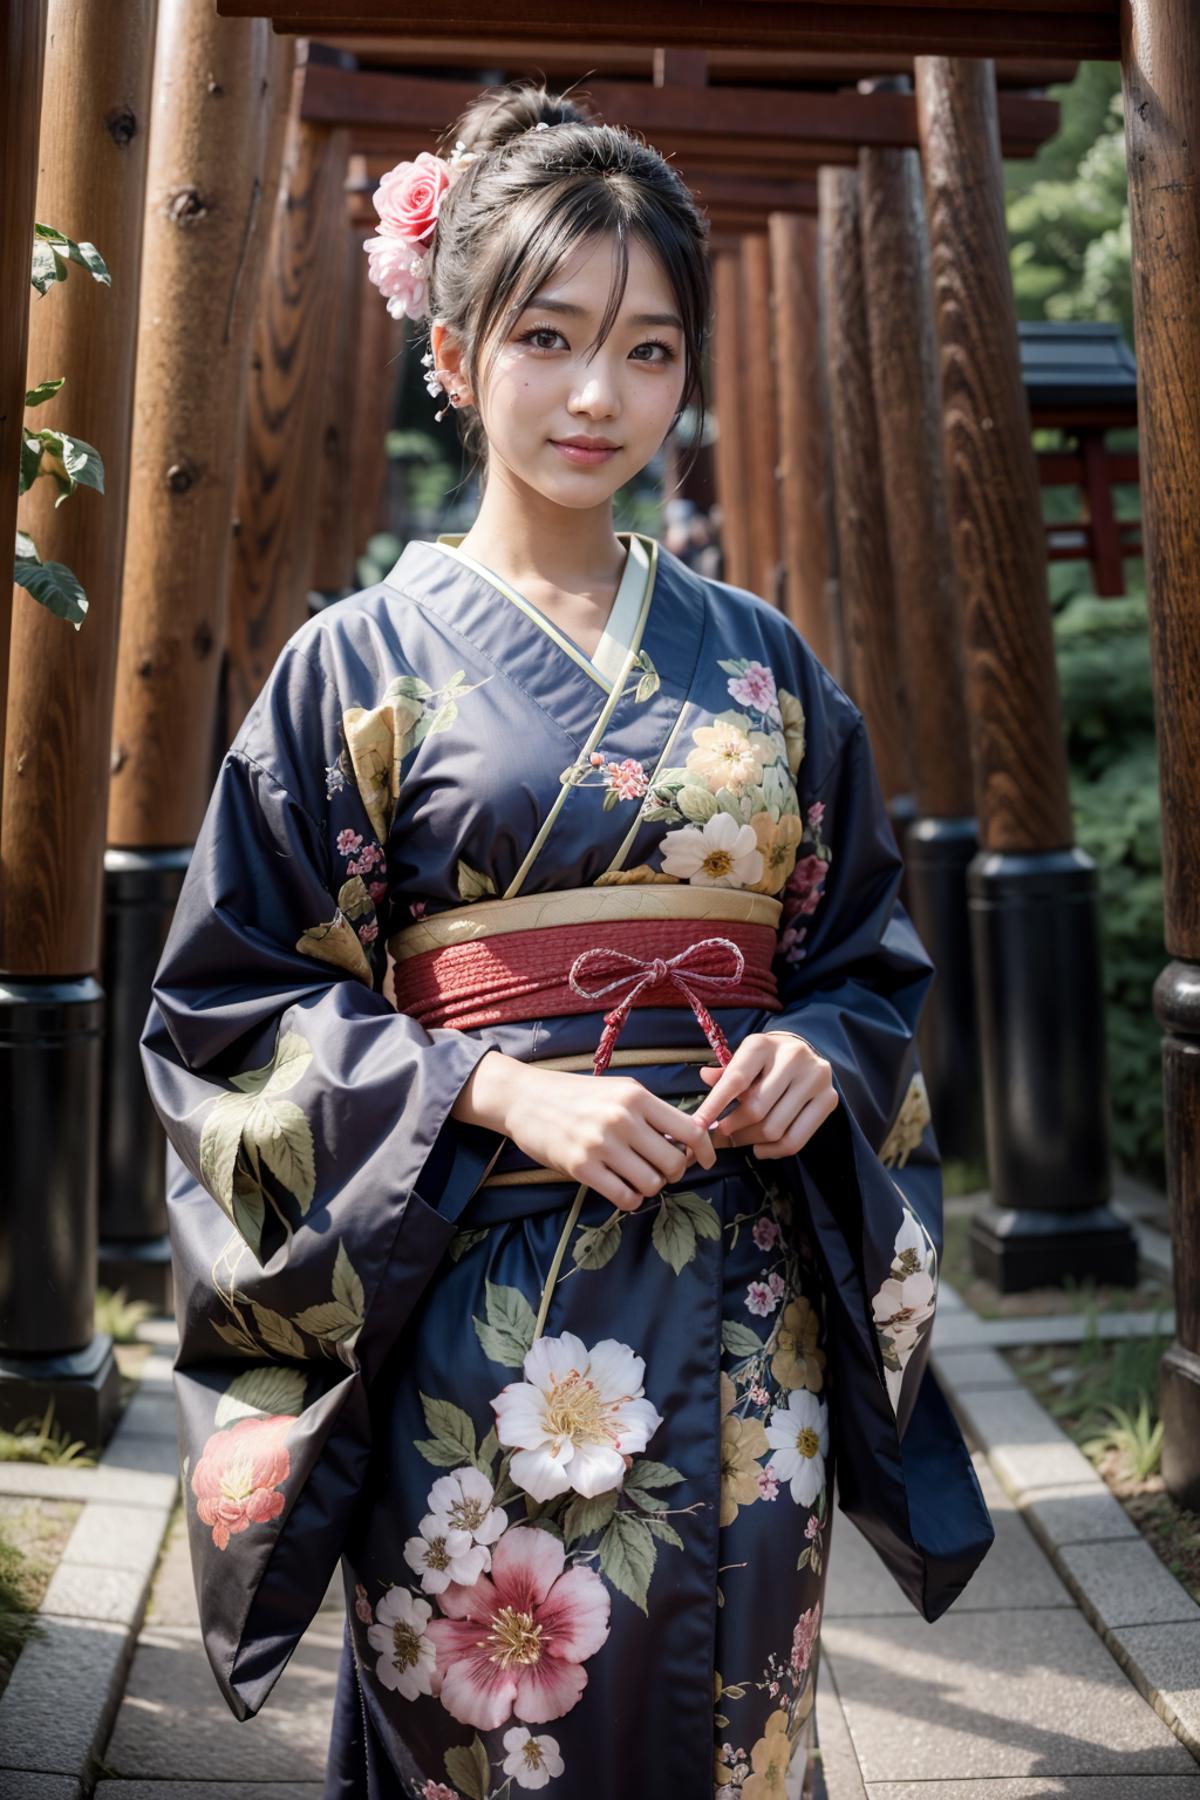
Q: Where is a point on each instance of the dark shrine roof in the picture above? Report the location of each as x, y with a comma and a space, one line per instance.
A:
1067, 363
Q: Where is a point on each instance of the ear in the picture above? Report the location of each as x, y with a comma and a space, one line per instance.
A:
448, 354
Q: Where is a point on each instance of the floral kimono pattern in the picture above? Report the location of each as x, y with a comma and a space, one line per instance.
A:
578, 1465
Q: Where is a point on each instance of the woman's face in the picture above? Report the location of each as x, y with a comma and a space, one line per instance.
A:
545, 387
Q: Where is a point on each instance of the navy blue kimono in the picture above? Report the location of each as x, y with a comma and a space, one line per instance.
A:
362, 1374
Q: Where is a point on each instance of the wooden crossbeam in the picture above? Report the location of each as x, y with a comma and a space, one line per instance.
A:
777, 132
1070, 28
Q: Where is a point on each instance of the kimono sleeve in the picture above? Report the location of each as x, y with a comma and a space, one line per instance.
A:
315, 1172
853, 977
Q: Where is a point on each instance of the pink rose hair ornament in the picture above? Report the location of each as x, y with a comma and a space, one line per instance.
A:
408, 201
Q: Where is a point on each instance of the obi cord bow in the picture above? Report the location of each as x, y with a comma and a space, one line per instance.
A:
641, 973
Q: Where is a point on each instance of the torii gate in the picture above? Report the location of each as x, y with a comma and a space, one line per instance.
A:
992, 512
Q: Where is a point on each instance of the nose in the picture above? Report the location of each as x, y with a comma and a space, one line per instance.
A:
596, 392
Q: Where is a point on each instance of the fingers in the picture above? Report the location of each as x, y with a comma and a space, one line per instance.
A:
771, 1088
668, 1120
669, 1159
812, 1114
734, 1079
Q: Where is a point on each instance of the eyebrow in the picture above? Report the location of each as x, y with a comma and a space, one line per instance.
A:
569, 307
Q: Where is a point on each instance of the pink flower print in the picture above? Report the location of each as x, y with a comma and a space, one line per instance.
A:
765, 1233
804, 1637
237, 1480
372, 856
360, 866
514, 1643
759, 1395
362, 1604
790, 941
348, 841
804, 885
377, 890
760, 1300
628, 777
369, 932
755, 687
437, 1790
768, 1484
813, 1528
815, 813
417, 909
596, 758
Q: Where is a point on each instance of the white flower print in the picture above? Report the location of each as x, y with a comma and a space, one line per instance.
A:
721, 853
406, 1656
576, 1417
798, 1434
441, 1556
902, 1307
462, 1501
531, 1761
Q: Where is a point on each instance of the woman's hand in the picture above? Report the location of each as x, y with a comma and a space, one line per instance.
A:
608, 1131
783, 1088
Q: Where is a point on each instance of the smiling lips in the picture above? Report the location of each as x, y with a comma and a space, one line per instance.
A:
585, 449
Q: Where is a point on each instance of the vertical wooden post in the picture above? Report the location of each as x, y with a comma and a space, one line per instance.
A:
761, 426
728, 355
1033, 895
22, 48
220, 94
333, 553
1160, 62
805, 497
941, 837
279, 479
378, 344
864, 565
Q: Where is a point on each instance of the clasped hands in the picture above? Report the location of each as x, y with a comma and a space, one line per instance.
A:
626, 1143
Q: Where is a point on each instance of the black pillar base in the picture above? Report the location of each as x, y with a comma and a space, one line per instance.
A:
1018, 1249
84, 1387
140, 892
937, 853
1035, 933
1179, 1395
902, 810
142, 1266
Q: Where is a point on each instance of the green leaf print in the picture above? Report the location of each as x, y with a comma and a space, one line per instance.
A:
648, 1474
268, 1390
467, 1767
510, 1326
584, 1516
347, 1288
453, 1440
462, 1241
277, 1333
662, 1530
487, 1453
627, 1557
679, 1221
739, 1340
596, 1245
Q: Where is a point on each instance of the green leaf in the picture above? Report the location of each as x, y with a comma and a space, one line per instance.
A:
331, 1322
673, 1235
487, 1453
249, 1207
739, 1340
45, 390
584, 1516
291, 1058
46, 268
462, 1241
82, 463
277, 1333
450, 1426
511, 1323
627, 1557
647, 1502
444, 717
281, 1136
86, 255
26, 548
467, 1767
648, 1474
802, 1559
347, 1288
31, 463
702, 1213
220, 1141
268, 1390
442, 1456
596, 1245
409, 687
55, 587
665, 1531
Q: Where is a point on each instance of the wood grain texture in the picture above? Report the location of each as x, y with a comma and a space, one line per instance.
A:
726, 360
761, 421
908, 415
333, 553
875, 680
280, 473
1161, 76
22, 51
1020, 759
217, 88
379, 350
1077, 28
804, 481
91, 185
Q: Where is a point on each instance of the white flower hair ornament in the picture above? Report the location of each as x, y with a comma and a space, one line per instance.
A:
408, 200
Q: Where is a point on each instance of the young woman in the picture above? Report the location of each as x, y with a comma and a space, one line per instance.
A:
539, 1014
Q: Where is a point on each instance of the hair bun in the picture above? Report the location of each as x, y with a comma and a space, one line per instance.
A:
507, 112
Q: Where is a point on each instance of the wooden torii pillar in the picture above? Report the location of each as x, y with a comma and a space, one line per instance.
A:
941, 835
220, 97
1160, 63
1033, 894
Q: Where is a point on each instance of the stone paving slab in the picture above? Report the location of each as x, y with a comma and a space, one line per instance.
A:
1127, 1583
974, 1366
1164, 1660
1014, 1573
1042, 1787
838, 1761
954, 1329
173, 1720
23, 1784
988, 1695
61, 1695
